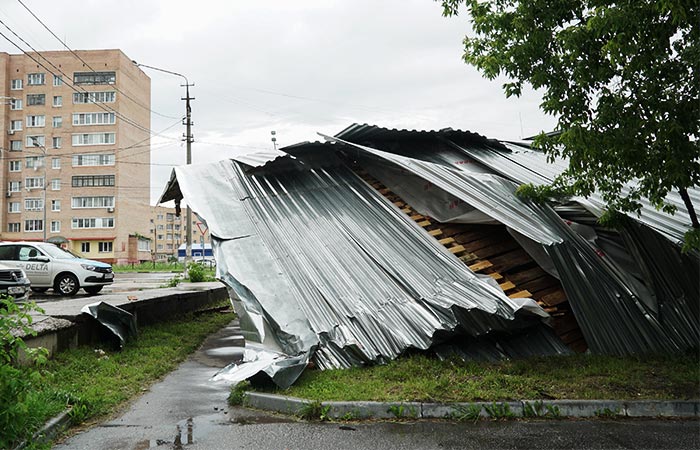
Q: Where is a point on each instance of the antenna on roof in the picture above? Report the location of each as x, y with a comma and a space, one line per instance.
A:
274, 139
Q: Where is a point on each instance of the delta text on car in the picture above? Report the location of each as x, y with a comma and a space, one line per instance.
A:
49, 266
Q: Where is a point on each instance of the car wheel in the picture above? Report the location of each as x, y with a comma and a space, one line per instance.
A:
39, 290
92, 290
67, 284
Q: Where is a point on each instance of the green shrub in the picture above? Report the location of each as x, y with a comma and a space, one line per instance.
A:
16, 384
195, 272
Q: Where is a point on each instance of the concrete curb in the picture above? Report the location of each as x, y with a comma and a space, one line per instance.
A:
553, 409
50, 429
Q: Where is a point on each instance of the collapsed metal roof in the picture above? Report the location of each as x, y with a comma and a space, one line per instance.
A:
321, 267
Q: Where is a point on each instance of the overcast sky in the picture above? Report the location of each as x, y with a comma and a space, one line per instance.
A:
296, 67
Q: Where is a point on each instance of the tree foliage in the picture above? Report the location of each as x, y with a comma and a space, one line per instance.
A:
622, 78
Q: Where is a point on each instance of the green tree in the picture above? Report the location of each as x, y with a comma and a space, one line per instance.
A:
621, 77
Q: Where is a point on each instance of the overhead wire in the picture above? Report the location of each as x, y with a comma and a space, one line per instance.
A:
101, 105
88, 65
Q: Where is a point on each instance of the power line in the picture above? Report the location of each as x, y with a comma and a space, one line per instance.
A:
88, 65
83, 91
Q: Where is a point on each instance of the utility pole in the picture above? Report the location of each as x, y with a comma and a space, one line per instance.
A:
188, 139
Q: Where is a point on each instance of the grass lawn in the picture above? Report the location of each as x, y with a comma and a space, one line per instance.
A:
97, 384
420, 378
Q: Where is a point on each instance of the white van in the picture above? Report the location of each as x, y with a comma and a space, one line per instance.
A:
48, 266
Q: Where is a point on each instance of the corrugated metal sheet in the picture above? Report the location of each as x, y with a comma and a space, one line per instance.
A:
530, 166
320, 265
615, 317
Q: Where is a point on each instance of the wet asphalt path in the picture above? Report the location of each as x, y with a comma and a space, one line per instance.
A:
186, 411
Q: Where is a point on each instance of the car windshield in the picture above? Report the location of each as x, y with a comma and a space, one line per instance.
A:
56, 252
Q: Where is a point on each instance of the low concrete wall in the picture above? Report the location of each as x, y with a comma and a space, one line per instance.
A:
64, 328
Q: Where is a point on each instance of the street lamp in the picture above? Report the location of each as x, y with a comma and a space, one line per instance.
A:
189, 139
35, 143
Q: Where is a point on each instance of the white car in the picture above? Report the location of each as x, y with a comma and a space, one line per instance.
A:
48, 266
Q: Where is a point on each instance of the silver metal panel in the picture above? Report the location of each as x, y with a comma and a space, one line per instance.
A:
329, 268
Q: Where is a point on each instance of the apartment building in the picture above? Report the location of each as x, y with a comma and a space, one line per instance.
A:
168, 232
76, 152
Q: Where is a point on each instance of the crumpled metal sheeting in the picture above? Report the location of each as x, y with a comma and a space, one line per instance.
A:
531, 166
358, 266
535, 341
613, 318
121, 323
282, 369
491, 194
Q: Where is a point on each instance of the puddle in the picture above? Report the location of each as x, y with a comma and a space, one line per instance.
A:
190, 431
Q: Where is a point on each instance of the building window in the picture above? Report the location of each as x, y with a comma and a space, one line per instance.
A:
94, 97
16, 85
93, 139
104, 247
177, 227
34, 162
169, 227
56, 184
92, 202
161, 237
34, 182
16, 125
85, 247
14, 207
33, 225
160, 246
36, 79
16, 146
94, 78
14, 186
56, 163
55, 226
36, 141
13, 227
169, 236
33, 204
92, 180
144, 245
57, 101
99, 118
16, 104
92, 222
169, 246
57, 121
160, 227
57, 80
93, 160
56, 141
36, 121
55, 205
36, 99
16, 166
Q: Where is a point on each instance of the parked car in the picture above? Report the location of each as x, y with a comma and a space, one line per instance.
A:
48, 266
14, 283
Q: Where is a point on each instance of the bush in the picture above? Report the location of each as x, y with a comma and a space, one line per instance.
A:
195, 272
16, 384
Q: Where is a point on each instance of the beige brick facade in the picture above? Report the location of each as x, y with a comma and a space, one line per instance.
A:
168, 232
94, 125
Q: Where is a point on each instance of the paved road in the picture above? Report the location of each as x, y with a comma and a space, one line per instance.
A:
123, 282
186, 411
